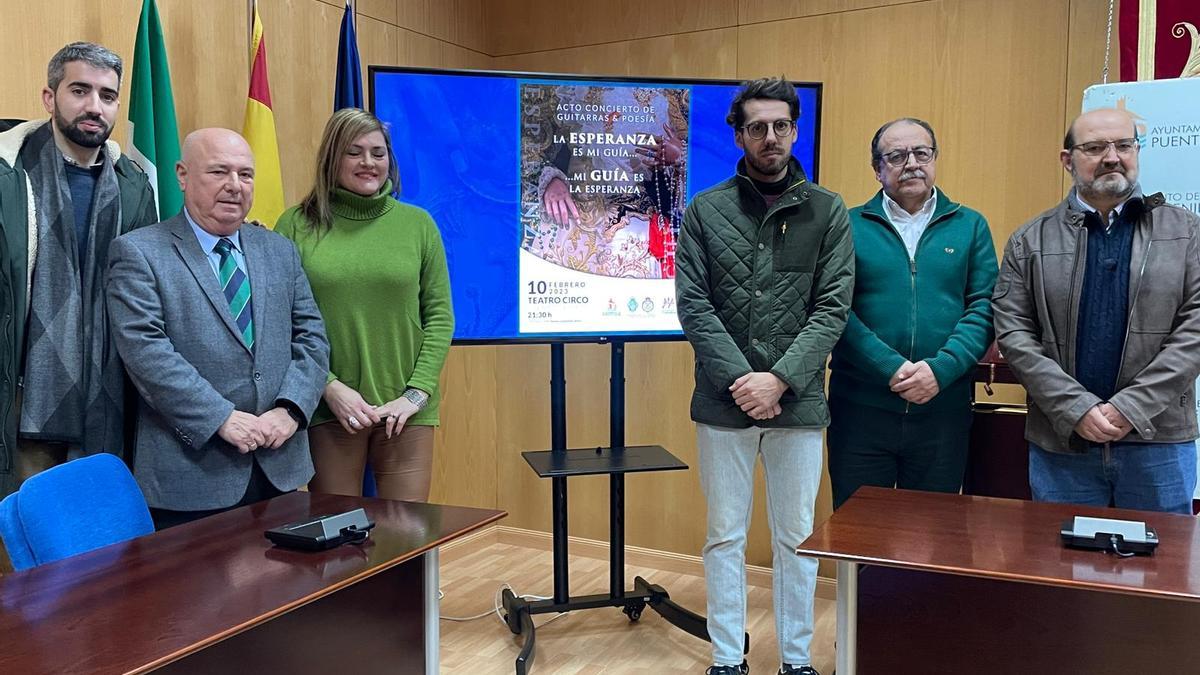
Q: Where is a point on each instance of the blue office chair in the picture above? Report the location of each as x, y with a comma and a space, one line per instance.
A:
72, 508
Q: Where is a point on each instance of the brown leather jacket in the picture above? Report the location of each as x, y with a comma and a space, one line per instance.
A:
1036, 307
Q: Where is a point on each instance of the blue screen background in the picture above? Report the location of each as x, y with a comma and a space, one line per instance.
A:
457, 142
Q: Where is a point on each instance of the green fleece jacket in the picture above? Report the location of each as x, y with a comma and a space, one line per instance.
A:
934, 306
379, 276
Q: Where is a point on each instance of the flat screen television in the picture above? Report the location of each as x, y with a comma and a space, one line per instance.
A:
559, 197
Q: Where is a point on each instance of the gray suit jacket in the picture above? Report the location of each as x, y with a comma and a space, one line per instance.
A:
173, 329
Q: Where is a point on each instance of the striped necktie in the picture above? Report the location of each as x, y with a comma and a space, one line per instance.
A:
236, 287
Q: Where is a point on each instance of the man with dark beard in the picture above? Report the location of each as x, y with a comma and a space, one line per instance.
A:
65, 193
765, 269
1097, 309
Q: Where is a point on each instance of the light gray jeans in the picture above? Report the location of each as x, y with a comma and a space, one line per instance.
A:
792, 461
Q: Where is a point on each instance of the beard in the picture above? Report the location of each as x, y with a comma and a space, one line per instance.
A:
769, 166
77, 135
1112, 185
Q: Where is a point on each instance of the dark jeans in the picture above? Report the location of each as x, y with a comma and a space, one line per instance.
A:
259, 489
1142, 476
914, 451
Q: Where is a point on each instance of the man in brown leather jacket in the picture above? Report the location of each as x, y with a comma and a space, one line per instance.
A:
1097, 309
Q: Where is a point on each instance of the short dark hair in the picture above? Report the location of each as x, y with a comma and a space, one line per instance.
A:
88, 52
767, 88
876, 155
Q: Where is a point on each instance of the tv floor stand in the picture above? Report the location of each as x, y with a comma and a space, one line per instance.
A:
558, 464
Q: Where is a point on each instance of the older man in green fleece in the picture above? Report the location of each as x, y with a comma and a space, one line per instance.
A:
900, 389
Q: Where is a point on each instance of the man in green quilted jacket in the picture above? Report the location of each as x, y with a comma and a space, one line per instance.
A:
765, 270
900, 389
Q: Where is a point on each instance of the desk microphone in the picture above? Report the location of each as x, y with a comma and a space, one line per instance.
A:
1122, 537
323, 532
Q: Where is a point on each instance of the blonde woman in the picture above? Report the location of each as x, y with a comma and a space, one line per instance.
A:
378, 271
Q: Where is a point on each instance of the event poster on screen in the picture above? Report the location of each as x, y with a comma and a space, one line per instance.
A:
559, 198
603, 176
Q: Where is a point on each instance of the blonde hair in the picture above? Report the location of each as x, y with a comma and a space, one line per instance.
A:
343, 128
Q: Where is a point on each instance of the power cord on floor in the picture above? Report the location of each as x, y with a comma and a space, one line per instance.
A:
497, 607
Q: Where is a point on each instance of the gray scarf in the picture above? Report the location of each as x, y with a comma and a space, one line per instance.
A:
73, 383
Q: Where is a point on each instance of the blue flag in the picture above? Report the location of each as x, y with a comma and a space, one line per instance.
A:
348, 92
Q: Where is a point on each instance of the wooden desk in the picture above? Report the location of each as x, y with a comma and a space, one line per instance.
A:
959, 584
215, 596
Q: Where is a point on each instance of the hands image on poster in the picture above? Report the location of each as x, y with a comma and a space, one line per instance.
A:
604, 176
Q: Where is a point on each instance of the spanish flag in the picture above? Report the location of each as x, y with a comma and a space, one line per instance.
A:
259, 130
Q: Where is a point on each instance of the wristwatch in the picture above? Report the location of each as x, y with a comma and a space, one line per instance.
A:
416, 397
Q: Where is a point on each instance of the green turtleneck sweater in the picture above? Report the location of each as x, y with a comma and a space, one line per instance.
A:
380, 279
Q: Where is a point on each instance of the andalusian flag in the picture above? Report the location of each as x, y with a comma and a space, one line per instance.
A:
153, 134
259, 130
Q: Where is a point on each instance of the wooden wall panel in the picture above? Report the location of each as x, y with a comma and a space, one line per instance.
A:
458, 22
708, 53
758, 11
415, 49
522, 403
380, 10
999, 106
465, 465
208, 46
524, 26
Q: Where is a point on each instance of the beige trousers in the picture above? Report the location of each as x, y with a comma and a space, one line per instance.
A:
402, 464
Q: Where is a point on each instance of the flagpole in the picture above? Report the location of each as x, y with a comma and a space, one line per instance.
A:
250, 4
1108, 41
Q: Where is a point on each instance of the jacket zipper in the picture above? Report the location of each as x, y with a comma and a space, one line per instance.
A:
912, 333
767, 213
912, 273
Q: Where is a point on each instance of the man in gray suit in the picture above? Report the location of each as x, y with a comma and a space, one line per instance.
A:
219, 332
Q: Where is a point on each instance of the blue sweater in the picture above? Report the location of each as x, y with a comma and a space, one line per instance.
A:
1104, 301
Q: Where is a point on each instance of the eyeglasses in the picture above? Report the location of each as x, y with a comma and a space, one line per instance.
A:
758, 130
1124, 146
897, 158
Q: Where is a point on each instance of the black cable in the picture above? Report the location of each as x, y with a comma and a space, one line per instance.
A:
354, 535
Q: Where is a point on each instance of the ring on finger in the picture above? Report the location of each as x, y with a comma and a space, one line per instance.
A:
352, 421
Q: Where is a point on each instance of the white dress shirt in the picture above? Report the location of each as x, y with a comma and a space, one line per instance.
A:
208, 243
910, 225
